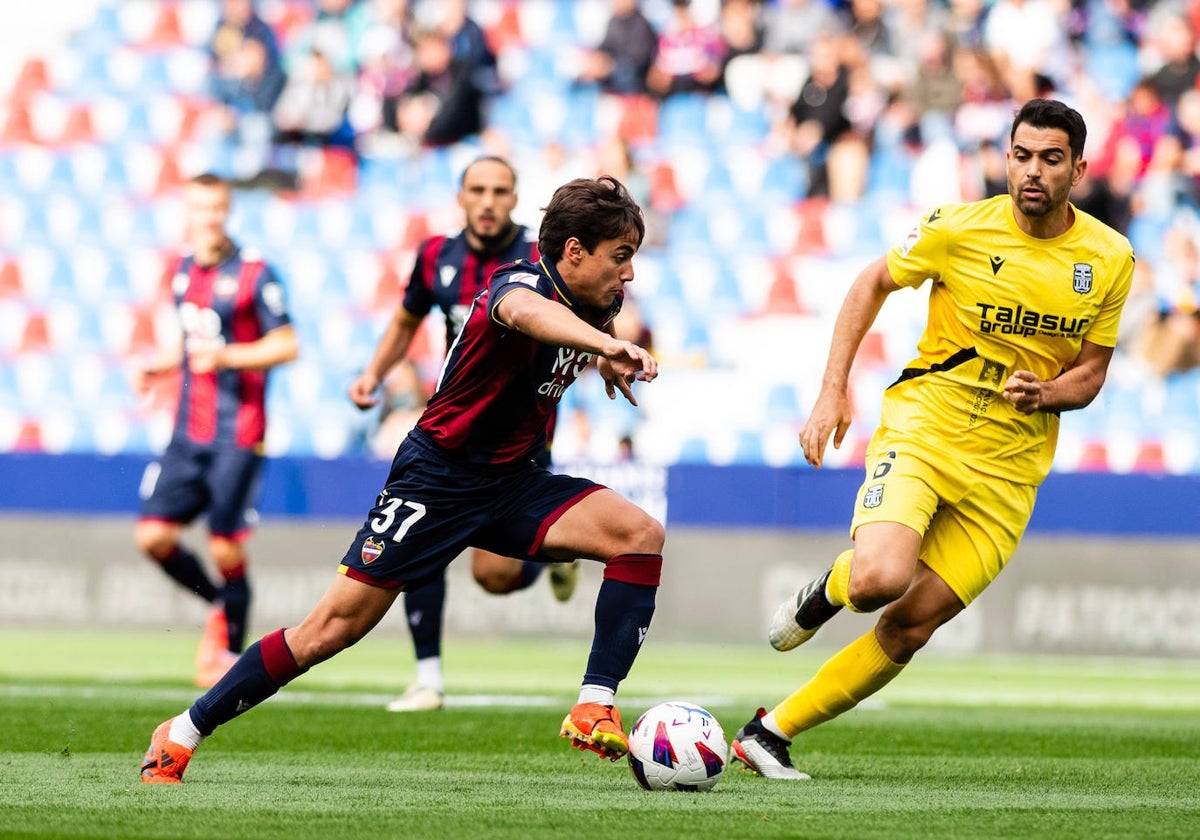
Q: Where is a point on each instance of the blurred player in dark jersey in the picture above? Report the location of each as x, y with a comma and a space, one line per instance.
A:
235, 328
466, 475
449, 272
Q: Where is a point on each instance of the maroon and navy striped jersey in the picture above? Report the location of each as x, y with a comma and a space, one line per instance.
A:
238, 300
449, 274
499, 388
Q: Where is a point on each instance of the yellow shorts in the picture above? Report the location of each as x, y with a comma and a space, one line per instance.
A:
970, 522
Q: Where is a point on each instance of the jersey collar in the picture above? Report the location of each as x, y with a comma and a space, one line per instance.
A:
560, 285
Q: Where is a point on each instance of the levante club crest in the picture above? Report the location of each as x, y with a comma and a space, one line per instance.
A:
371, 549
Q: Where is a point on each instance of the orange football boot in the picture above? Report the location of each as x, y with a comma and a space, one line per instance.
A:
165, 760
595, 727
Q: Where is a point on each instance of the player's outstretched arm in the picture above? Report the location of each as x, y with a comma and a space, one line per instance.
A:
146, 370
621, 362
1074, 388
392, 347
831, 413
277, 347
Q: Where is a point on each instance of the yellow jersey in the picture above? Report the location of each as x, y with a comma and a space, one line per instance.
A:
1001, 301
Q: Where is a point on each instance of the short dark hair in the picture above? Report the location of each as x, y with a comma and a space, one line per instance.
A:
1050, 113
208, 179
462, 179
592, 211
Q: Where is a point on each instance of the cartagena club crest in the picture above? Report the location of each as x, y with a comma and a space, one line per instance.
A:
1082, 282
873, 497
371, 549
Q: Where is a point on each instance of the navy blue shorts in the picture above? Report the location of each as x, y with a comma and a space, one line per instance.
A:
189, 479
432, 509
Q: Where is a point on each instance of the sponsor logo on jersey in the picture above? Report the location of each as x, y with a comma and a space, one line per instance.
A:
997, 263
371, 549
1008, 320
1082, 280
225, 286
568, 364
873, 497
446, 274
910, 241
522, 277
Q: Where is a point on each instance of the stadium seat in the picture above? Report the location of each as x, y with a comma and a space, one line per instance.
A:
13, 315
136, 19
167, 31
734, 124
197, 22
785, 181
755, 276
10, 279
637, 118
44, 272
782, 403
682, 119
536, 21
17, 126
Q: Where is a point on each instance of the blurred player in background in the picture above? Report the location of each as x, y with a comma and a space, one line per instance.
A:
449, 272
235, 328
1023, 313
466, 475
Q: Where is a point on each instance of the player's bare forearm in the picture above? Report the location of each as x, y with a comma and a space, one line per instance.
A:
550, 322
1074, 388
831, 414
393, 345
859, 309
277, 347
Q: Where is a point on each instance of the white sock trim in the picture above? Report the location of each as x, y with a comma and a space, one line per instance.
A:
768, 722
597, 694
429, 674
184, 732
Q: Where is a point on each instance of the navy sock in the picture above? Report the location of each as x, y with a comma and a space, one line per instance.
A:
235, 596
265, 667
530, 572
183, 567
424, 607
623, 613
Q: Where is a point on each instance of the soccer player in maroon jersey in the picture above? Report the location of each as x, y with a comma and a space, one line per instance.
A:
466, 475
449, 272
235, 328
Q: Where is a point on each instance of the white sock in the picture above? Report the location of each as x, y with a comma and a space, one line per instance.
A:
429, 673
768, 722
184, 732
597, 694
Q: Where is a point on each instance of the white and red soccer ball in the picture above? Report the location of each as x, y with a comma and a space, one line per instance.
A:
677, 746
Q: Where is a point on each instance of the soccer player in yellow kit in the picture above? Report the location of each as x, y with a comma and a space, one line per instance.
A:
1027, 292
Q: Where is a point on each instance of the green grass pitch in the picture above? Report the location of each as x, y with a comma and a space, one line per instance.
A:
961, 748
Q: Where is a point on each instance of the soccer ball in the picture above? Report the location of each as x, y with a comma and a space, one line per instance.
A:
677, 746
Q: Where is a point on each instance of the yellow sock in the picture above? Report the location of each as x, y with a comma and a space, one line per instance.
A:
852, 674
838, 589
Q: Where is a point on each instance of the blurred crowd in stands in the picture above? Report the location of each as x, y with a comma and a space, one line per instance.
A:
775, 146
860, 91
